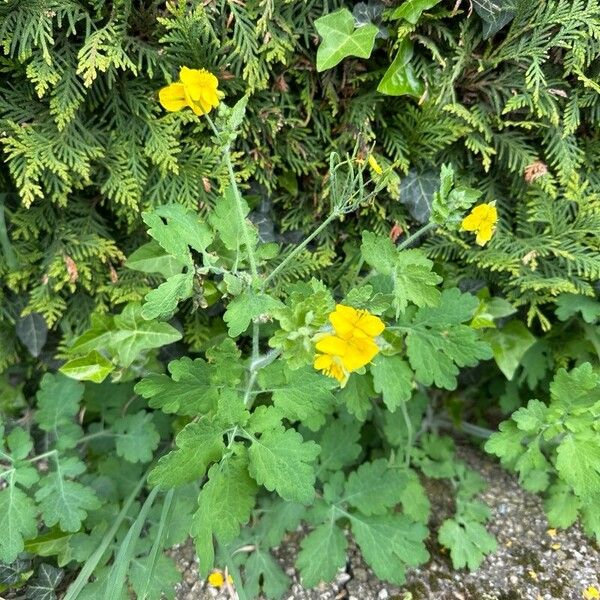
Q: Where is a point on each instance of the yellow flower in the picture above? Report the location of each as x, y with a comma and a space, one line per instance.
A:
351, 322
196, 88
482, 221
352, 346
217, 579
375, 165
591, 593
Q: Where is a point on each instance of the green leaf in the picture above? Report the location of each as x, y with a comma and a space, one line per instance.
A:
175, 228
468, 541
323, 552
136, 437
232, 233
302, 395
282, 462
531, 418
437, 344
198, 445
341, 39
64, 501
91, 367
277, 518
390, 543
189, 391
261, 567
561, 505
400, 78
152, 258
393, 378
247, 307
568, 305
576, 390
44, 586
32, 330
578, 463
162, 302
509, 345
135, 335
450, 203
411, 10
494, 15
339, 445
416, 193
374, 487
410, 271
19, 443
159, 579
17, 522
394, 426
356, 396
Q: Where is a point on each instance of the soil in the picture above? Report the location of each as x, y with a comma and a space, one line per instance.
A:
532, 562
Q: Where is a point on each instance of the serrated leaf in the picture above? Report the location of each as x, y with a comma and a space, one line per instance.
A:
63, 501
277, 518
531, 418
188, 391
282, 461
246, 307
390, 543
568, 305
159, 582
437, 343
262, 568
410, 271
356, 396
561, 505
43, 587
152, 258
450, 203
162, 302
577, 389
198, 445
400, 78
469, 542
339, 445
91, 367
374, 487
340, 39
135, 335
393, 378
19, 443
323, 552
578, 463
136, 437
17, 522
509, 344
176, 228
32, 330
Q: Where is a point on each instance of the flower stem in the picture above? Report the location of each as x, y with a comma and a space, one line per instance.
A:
417, 234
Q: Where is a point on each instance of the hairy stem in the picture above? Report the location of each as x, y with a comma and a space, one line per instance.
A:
409, 433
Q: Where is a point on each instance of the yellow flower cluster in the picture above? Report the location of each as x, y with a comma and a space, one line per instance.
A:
482, 221
196, 89
351, 346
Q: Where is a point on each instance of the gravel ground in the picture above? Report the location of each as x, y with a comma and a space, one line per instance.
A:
531, 563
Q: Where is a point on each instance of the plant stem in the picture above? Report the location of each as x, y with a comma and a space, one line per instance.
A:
299, 248
417, 234
7, 249
409, 433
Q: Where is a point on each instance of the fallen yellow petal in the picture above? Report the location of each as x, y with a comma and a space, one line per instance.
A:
591, 593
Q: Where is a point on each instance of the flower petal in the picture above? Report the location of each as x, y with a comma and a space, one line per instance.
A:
172, 97
332, 344
360, 352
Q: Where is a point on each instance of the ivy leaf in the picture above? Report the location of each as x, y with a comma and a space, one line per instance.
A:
246, 307
400, 78
136, 437
32, 330
198, 445
390, 543
494, 15
43, 587
374, 487
224, 504
64, 501
92, 367
411, 10
469, 542
437, 344
302, 395
188, 391
134, 335
509, 345
162, 302
410, 271
323, 552
568, 305
416, 193
281, 461
393, 378
261, 567
578, 463
152, 258
340, 39
176, 228
17, 521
